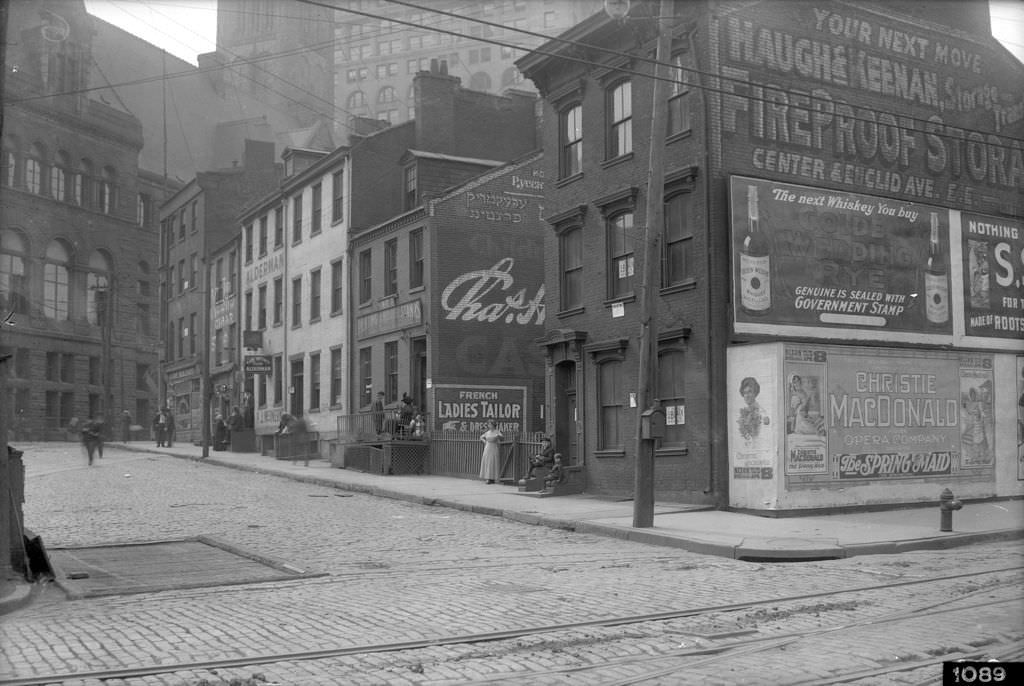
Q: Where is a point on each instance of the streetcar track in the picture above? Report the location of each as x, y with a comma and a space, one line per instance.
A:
269, 658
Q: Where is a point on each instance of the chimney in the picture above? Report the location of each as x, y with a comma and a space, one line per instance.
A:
434, 94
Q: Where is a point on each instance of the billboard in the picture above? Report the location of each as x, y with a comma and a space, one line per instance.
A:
873, 414
470, 408
831, 94
819, 261
992, 260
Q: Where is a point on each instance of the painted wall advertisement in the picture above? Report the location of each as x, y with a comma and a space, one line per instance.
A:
470, 408
491, 298
846, 97
822, 259
992, 250
876, 414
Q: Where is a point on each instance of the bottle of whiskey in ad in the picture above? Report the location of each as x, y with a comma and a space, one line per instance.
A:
755, 262
936, 282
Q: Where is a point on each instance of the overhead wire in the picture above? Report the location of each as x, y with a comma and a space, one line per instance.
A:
621, 69
653, 76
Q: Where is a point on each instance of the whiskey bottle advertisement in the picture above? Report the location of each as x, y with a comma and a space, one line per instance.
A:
936, 281
755, 262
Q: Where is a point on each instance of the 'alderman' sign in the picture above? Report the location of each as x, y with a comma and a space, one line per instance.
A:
257, 364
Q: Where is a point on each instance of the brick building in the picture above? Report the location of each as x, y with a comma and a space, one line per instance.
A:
448, 301
377, 183
786, 313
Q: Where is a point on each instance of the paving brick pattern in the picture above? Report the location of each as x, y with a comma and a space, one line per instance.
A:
398, 571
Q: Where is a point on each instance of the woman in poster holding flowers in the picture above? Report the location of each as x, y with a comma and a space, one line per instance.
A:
751, 417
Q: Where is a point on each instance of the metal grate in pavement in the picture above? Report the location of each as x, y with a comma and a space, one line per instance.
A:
161, 566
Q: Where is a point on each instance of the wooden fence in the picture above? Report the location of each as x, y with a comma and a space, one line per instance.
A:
457, 453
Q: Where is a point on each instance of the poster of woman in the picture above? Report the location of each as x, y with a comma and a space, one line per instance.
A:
755, 417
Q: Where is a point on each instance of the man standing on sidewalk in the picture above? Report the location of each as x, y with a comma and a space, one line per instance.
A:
92, 437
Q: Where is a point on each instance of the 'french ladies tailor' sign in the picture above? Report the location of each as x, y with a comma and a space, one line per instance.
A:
824, 259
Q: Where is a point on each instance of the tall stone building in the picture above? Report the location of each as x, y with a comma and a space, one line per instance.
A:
77, 265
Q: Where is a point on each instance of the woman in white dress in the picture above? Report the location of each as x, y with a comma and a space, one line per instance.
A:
490, 461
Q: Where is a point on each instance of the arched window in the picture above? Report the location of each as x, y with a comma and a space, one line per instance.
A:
356, 100
84, 183
108, 190
386, 95
13, 285
59, 173
97, 289
9, 163
34, 169
55, 281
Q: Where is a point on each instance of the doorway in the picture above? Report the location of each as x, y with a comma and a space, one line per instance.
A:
418, 376
296, 389
566, 436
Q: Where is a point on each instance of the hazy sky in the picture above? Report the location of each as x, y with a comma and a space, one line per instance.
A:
189, 27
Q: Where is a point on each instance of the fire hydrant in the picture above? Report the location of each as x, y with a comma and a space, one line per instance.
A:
947, 503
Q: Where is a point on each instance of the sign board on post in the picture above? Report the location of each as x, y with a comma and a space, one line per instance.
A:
257, 364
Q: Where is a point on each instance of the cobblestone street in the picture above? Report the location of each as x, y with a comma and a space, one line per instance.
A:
396, 572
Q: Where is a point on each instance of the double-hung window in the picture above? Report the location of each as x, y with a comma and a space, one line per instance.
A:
679, 89
391, 267
620, 120
621, 265
570, 160
679, 255
316, 218
570, 251
365, 276
338, 195
297, 218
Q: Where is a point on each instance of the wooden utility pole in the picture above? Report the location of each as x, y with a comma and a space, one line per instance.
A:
643, 475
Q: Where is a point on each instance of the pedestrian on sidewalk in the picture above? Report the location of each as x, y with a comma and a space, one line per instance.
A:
126, 426
160, 427
170, 429
92, 437
220, 432
490, 461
